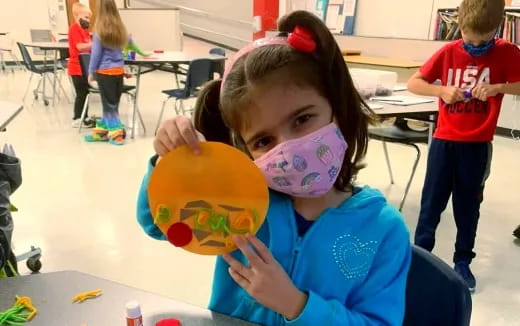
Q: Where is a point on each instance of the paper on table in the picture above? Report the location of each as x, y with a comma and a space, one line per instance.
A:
375, 106
402, 100
400, 88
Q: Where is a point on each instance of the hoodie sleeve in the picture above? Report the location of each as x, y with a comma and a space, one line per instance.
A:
95, 55
144, 216
381, 298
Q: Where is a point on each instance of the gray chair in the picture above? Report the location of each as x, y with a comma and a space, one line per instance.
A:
400, 133
199, 72
42, 70
435, 294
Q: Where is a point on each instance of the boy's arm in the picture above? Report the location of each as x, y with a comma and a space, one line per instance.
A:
418, 85
512, 78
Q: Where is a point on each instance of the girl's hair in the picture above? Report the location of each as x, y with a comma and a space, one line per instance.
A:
109, 26
219, 114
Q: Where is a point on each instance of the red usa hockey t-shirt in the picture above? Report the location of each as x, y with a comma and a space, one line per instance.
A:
472, 121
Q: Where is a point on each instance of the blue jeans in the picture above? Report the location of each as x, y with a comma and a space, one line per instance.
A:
458, 169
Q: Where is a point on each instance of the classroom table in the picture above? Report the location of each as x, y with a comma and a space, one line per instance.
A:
166, 61
426, 112
8, 111
50, 46
52, 294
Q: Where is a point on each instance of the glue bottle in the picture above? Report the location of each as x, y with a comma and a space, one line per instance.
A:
133, 314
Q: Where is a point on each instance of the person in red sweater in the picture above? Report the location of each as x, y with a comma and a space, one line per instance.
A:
475, 73
79, 42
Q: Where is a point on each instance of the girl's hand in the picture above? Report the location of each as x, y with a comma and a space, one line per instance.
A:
91, 80
264, 279
177, 132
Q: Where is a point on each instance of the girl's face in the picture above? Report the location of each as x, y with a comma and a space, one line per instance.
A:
281, 113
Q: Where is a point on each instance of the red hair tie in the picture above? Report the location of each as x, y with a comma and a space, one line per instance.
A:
302, 40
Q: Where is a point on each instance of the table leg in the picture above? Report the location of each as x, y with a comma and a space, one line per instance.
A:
43, 76
55, 77
136, 98
431, 129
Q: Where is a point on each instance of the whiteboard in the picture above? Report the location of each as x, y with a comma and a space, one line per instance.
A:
394, 18
154, 29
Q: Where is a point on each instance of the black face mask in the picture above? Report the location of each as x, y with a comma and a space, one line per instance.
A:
84, 23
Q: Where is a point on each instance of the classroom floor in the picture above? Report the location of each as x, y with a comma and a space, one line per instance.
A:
77, 202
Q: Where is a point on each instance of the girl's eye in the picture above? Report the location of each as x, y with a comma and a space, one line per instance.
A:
262, 142
302, 119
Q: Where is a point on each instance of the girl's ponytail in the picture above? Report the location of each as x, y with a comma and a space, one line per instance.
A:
207, 117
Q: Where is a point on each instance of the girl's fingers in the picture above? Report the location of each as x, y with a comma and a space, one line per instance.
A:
254, 260
242, 281
165, 137
261, 249
160, 148
188, 133
238, 267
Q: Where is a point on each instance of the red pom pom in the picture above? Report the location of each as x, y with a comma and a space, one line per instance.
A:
302, 40
179, 234
168, 322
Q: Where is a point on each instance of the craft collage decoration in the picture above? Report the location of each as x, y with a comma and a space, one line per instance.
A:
200, 201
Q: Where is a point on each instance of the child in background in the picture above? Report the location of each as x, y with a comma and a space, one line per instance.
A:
329, 253
107, 68
475, 73
79, 42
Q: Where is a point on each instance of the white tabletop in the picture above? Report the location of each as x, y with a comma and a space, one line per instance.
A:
49, 45
8, 111
52, 293
396, 110
174, 57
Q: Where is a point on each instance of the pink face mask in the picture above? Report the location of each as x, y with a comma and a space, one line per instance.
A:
307, 166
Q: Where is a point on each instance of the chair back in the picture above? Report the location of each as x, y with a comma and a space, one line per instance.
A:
64, 54
84, 61
218, 65
26, 57
435, 293
200, 71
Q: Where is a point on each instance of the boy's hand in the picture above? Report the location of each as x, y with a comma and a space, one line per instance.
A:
177, 132
451, 95
484, 91
264, 279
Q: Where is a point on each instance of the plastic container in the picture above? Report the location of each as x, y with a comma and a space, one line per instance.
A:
133, 314
371, 82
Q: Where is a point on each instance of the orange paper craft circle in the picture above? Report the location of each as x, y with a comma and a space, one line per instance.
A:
217, 193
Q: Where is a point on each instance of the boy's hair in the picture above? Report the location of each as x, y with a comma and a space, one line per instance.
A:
109, 25
219, 114
481, 16
78, 7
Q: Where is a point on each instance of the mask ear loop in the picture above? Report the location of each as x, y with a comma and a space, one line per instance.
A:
515, 128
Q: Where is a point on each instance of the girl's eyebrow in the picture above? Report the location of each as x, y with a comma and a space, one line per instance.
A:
292, 115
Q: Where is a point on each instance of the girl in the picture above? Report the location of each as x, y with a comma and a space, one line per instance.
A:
79, 42
329, 253
107, 65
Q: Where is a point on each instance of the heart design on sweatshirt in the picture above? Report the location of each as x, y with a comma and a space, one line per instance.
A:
353, 256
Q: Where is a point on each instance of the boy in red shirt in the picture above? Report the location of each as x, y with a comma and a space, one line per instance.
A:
79, 42
475, 73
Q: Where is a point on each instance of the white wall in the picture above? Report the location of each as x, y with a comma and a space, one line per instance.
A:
229, 21
18, 17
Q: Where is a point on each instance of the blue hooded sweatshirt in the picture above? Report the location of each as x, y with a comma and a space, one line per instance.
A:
353, 262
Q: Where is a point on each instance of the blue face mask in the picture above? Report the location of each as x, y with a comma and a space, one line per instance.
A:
479, 50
